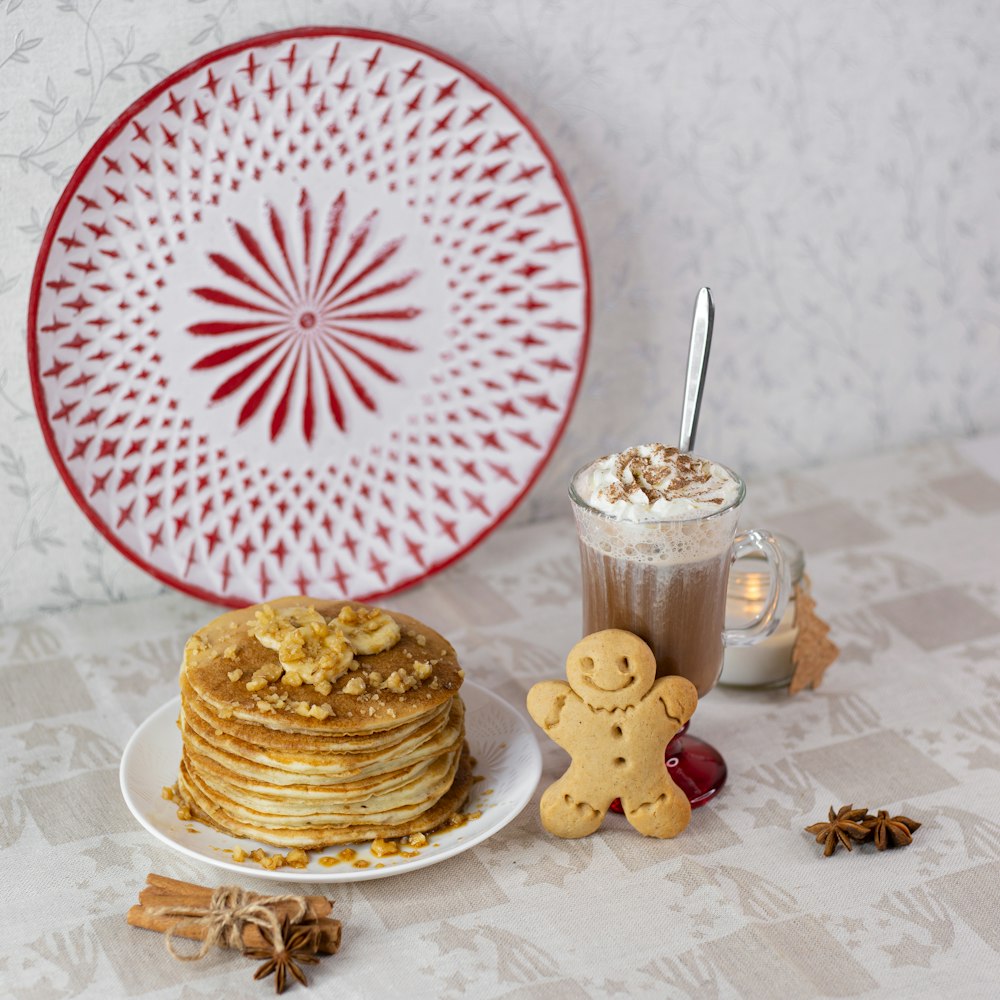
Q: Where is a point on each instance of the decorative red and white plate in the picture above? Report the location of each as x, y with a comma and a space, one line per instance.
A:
309, 317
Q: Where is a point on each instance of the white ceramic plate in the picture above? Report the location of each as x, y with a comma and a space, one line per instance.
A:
502, 743
302, 264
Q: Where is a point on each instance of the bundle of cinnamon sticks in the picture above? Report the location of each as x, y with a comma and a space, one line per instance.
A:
161, 891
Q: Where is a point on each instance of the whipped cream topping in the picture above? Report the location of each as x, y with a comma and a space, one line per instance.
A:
652, 482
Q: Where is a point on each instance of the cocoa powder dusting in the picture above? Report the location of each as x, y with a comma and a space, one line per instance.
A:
664, 474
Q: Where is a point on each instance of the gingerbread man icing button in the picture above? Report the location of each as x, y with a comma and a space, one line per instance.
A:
614, 718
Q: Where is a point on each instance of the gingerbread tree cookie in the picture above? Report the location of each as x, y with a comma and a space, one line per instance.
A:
614, 719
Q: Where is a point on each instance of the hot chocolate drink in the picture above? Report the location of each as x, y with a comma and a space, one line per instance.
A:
656, 534
676, 609
657, 537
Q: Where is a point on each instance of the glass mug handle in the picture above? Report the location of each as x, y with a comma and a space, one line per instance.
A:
766, 545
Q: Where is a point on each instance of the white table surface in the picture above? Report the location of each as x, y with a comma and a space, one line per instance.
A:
903, 552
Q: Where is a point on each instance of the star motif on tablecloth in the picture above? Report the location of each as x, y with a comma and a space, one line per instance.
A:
39, 736
108, 854
909, 951
136, 682
982, 758
457, 981
795, 733
612, 987
104, 900
449, 938
692, 876
547, 871
771, 813
930, 856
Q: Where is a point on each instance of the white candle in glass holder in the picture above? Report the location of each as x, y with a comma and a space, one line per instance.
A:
769, 662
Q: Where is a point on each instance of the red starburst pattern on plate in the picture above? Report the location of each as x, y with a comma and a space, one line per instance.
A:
298, 314
243, 380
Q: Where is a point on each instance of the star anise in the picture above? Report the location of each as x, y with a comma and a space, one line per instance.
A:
844, 826
890, 831
297, 945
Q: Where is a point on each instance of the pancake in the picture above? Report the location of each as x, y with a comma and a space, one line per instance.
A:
206, 669
308, 723
451, 802
313, 769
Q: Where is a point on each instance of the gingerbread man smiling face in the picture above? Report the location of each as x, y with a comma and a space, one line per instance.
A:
615, 719
611, 678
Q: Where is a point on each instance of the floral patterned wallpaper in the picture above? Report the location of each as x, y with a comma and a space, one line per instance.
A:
829, 169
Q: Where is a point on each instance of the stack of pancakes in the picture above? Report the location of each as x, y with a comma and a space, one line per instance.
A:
299, 764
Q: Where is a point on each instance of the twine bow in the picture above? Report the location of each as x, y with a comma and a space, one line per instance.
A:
229, 910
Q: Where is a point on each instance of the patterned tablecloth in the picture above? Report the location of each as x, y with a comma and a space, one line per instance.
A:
903, 552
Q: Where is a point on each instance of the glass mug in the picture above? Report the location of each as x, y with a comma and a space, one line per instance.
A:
666, 581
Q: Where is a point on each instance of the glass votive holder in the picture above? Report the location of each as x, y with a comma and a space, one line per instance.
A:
769, 663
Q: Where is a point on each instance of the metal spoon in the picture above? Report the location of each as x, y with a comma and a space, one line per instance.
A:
701, 343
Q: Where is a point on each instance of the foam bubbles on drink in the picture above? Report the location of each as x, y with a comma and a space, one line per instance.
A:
652, 504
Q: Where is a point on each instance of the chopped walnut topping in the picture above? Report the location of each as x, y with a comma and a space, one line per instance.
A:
235, 675
271, 862
184, 813
262, 677
395, 682
196, 645
384, 848
356, 685
314, 650
309, 650
264, 706
167, 792
368, 630
416, 840
230, 653
297, 858
320, 711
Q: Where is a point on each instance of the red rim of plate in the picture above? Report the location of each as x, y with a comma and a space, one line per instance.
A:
111, 133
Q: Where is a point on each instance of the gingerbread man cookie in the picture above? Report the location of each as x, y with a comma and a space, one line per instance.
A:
614, 719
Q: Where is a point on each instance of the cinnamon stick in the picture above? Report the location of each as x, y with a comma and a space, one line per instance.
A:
328, 934
196, 895
162, 891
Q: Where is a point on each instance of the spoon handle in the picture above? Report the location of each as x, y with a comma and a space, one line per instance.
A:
701, 343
